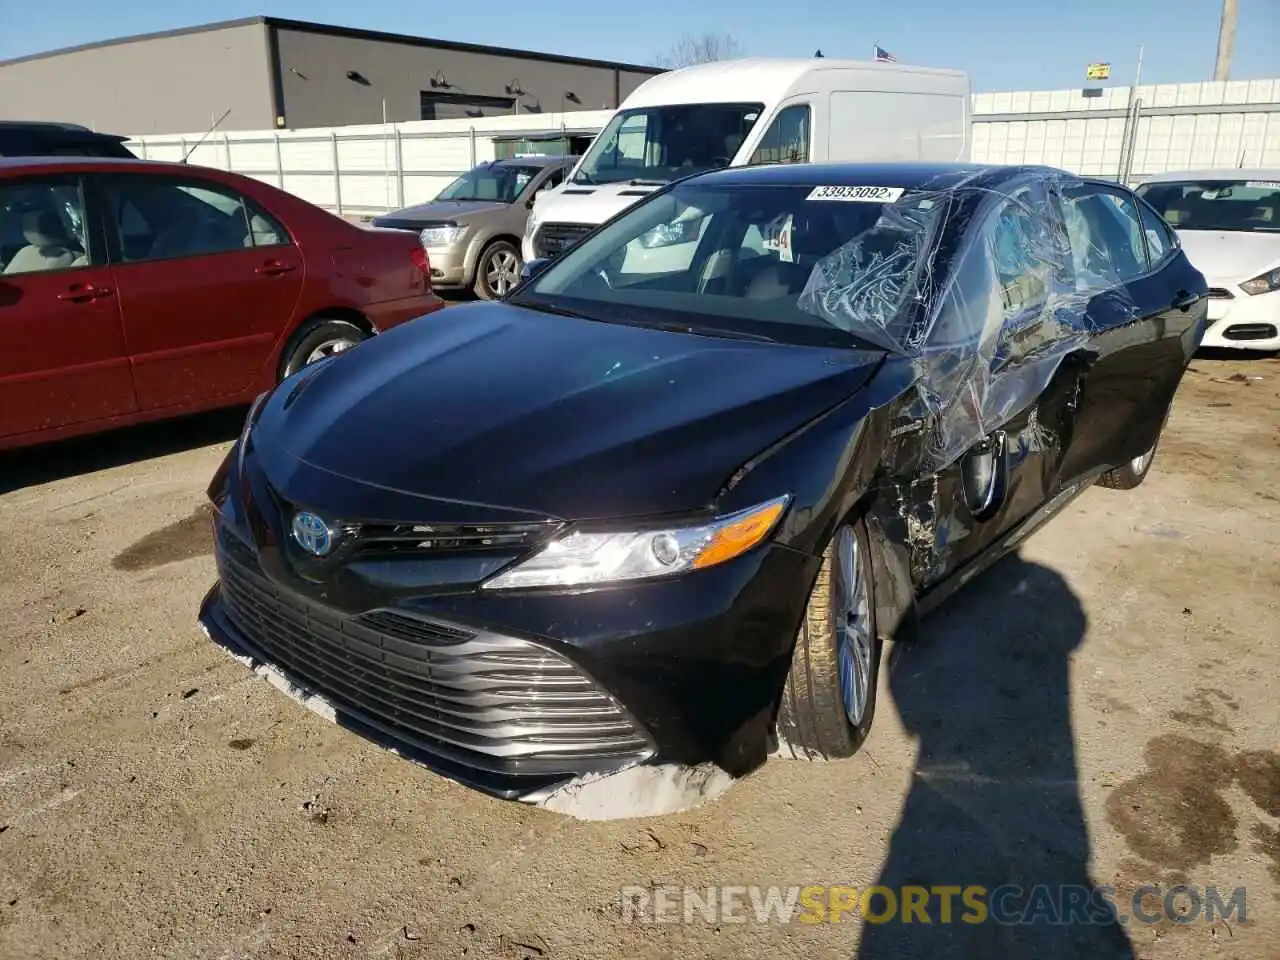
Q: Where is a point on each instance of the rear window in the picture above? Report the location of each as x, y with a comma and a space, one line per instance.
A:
1246, 206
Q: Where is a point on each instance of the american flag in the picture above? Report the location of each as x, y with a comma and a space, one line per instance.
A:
884, 56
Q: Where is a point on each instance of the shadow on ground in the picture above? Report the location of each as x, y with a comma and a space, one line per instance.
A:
69, 458
995, 799
1222, 353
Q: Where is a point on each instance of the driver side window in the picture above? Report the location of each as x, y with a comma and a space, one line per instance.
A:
787, 139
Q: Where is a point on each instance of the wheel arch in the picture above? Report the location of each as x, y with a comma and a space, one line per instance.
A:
482, 246
349, 314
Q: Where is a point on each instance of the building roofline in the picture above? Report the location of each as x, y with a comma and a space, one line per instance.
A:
352, 33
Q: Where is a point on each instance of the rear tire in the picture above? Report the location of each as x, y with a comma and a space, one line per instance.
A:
497, 271
317, 339
1131, 474
829, 699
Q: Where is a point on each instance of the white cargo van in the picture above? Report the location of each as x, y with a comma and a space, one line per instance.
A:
740, 112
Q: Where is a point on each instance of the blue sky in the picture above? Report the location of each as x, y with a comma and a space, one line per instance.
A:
1003, 44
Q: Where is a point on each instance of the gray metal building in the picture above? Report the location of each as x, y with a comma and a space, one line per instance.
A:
290, 74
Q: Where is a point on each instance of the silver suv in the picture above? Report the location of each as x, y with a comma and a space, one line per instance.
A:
472, 230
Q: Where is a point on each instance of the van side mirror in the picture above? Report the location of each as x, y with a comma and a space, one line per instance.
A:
534, 267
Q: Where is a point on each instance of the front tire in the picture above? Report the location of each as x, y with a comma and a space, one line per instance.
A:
498, 270
318, 339
829, 699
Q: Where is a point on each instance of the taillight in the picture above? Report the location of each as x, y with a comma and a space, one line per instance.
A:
419, 257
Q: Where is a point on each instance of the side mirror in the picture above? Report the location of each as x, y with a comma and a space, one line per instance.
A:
533, 268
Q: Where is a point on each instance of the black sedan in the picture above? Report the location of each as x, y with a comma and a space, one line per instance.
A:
660, 508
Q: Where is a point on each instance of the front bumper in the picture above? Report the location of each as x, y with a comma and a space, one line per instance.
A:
449, 265
518, 696
1239, 321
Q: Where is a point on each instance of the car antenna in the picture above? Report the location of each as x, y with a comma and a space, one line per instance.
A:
217, 123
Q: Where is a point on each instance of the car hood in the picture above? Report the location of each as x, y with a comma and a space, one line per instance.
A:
1230, 256
590, 204
496, 409
446, 210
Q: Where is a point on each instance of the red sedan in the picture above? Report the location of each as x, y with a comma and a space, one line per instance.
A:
133, 290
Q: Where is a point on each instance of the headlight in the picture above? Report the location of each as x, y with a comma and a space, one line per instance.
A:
583, 559
1263, 284
668, 234
441, 236
531, 224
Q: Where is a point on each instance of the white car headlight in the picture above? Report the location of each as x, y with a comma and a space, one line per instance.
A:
441, 236
1263, 284
531, 223
584, 559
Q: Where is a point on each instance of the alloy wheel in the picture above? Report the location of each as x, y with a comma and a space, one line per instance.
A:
328, 349
855, 644
502, 272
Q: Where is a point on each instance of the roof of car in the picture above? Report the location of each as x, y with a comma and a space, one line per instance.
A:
911, 176
12, 164
531, 161
1270, 174
55, 128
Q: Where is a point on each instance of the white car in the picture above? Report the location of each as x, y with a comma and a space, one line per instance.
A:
1228, 222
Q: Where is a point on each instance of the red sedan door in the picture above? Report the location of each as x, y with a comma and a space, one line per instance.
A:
63, 359
207, 283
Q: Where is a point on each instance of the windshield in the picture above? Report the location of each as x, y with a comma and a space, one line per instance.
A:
796, 264
503, 184
1249, 206
661, 144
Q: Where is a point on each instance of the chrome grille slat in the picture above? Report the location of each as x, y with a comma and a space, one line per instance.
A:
495, 696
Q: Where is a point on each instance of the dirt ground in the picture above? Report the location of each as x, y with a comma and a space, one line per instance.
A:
1100, 709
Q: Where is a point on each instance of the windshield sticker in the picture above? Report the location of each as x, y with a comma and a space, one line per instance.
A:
777, 236
1264, 184
856, 194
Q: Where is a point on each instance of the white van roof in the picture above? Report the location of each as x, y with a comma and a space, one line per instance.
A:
751, 80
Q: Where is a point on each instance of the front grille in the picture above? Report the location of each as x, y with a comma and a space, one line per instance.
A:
1220, 293
452, 538
553, 239
484, 699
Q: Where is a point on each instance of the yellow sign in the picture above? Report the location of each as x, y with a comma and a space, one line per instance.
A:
1099, 71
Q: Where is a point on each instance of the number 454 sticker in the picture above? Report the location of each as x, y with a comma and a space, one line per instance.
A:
856, 194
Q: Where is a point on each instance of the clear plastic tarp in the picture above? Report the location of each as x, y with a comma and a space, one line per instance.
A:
989, 319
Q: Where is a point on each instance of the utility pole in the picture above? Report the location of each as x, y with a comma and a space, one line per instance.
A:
1226, 41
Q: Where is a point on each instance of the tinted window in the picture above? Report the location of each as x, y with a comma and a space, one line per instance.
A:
1105, 235
1250, 206
1160, 239
790, 263
157, 219
787, 139
41, 227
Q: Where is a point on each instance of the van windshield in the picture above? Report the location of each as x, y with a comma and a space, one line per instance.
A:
661, 144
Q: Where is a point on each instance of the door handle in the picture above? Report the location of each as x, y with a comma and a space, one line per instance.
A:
1184, 300
273, 268
83, 294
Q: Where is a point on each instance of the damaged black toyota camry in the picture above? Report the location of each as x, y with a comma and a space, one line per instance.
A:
659, 509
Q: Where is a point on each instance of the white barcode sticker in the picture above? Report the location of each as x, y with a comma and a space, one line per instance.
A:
1264, 184
856, 194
